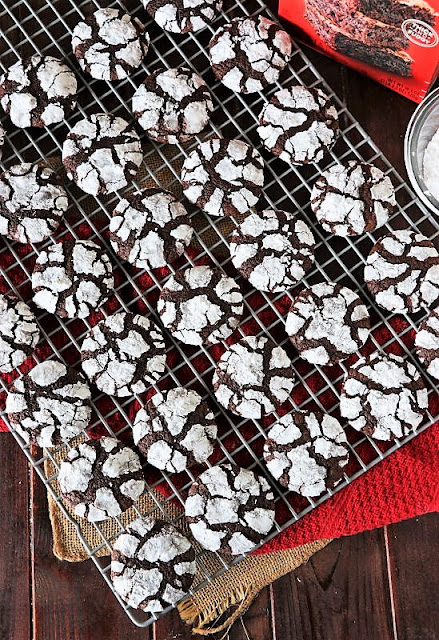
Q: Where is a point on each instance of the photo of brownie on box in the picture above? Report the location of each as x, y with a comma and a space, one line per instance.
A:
369, 30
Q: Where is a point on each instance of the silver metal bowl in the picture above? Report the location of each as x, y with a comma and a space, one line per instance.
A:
422, 126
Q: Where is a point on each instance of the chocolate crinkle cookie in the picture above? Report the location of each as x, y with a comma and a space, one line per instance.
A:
230, 509
32, 202
402, 272
306, 452
100, 479
327, 323
38, 91
253, 377
109, 44
123, 354
175, 430
383, 396
353, 198
299, 125
182, 16
102, 153
49, 405
248, 54
223, 177
172, 105
152, 565
427, 343
272, 249
150, 229
19, 332
201, 305
72, 279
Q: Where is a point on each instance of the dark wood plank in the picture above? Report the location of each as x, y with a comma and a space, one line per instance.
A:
413, 551
171, 627
70, 600
257, 623
341, 594
15, 593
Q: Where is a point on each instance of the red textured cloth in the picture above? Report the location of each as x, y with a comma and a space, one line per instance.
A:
403, 485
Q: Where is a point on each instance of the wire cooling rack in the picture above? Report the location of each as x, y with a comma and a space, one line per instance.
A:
45, 27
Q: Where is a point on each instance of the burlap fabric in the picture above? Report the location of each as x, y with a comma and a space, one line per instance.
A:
217, 605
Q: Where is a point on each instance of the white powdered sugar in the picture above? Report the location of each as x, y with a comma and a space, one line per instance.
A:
272, 249
182, 16
430, 166
383, 396
19, 333
427, 343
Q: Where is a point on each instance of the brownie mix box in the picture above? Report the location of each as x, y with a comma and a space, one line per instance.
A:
395, 42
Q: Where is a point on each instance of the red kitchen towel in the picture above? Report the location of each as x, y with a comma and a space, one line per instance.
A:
401, 486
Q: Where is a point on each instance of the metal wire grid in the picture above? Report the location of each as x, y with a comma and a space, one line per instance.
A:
45, 27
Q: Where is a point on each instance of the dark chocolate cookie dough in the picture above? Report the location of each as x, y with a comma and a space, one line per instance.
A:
19, 332
427, 343
182, 16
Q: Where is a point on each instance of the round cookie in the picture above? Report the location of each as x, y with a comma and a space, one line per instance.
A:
123, 354
253, 377
38, 91
102, 153
299, 125
201, 305
327, 323
306, 452
172, 105
32, 202
353, 198
19, 333
427, 343
100, 479
248, 54
176, 430
109, 44
49, 405
72, 279
152, 565
150, 229
272, 249
229, 509
383, 396
182, 16
402, 272
223, 177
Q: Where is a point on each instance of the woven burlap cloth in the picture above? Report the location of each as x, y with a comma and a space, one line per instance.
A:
216, 605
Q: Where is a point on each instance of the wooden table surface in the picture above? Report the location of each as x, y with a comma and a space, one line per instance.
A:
374, 586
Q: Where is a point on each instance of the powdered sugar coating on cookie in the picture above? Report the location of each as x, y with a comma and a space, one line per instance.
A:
172, 105
102, 153
383, 396
353, 198
223, 177
427, 343
248, 54
182, 16
150, 229
19, 333
299, 125
253, 377
124, 353
109, 44
230, 509
72, 279
49, 405
38, 91
101, 479
402, 272
32, 202
306, 452
272, 249
327, 323
175, 430
201, 305
152, 565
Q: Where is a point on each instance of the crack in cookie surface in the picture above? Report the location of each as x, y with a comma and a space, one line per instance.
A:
427, 343
248, 54
183, 16
19, 332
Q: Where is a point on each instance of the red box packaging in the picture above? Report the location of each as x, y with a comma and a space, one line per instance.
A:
395, 42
